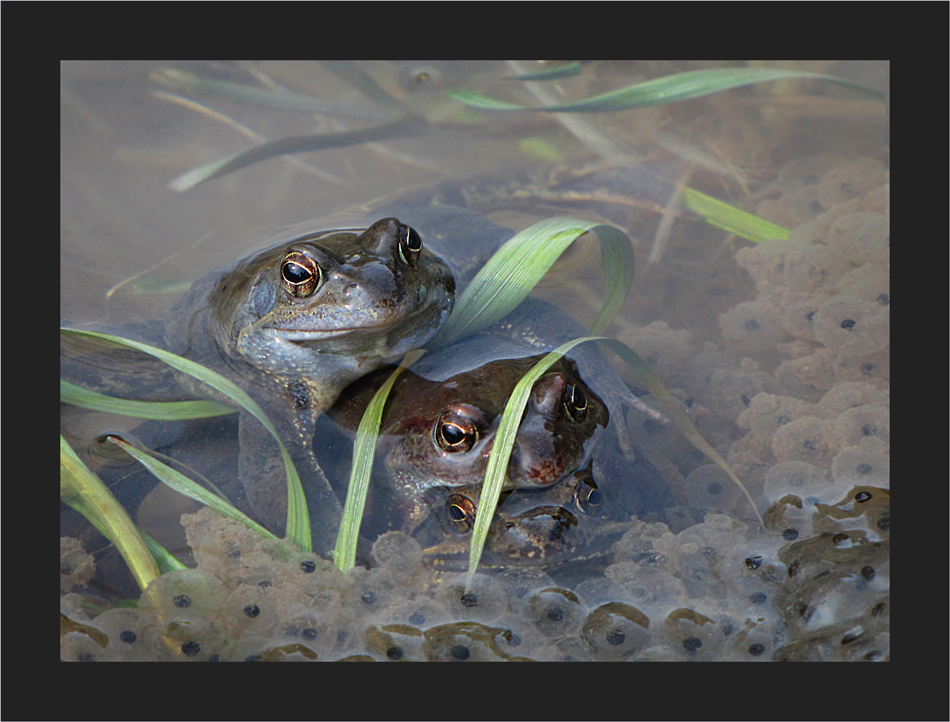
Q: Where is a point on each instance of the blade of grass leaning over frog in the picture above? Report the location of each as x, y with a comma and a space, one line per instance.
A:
286, 330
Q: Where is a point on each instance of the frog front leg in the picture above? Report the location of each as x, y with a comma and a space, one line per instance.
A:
262, 469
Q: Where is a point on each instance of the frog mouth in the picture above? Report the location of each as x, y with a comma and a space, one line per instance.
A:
309, 335
410, 324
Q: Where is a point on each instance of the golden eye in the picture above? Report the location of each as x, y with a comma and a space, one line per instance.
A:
589, 498
456, 432
300, 274
410, 245
575, 402
461, 513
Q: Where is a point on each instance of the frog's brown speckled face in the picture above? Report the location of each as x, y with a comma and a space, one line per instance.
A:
333, 305
441, 433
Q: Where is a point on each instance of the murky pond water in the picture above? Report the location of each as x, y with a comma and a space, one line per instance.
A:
779, 351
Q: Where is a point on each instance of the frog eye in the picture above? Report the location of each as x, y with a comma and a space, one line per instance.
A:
456, 432
461, 513
410, 245
588, 497
300, 274
575, 402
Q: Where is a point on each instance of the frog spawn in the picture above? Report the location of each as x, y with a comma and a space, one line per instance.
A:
686, 596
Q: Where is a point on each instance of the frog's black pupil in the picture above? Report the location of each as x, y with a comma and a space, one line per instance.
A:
452, 434
578, 400
295, 273
594, 497
413, 240
456, 512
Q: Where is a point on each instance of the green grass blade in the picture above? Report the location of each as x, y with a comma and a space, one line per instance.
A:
497, 469
165, 559
344, 554
514, 411
556, 73
82, 489
183, 485
515, 269
161, 410
617, 252
183, 81
669, 89
731, 219
298, 519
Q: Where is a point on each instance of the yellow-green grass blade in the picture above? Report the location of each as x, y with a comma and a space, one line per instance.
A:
668, 89
731, 219
504, 442
81, 488
161, 410
165, 560
344, 555
183, 485
514, 411
298, 519
510, 275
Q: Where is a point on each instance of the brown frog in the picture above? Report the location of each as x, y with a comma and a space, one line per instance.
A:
438, 434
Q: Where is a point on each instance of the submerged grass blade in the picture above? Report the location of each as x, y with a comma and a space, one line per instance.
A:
183, 81
672, 409
344, 554
403, 128
669, 89
731, 219
183, 485
80, 487
514, 411
298, 519
355, 77
161, 410
510, 275
561, 71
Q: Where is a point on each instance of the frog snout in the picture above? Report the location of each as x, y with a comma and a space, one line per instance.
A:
547, 393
